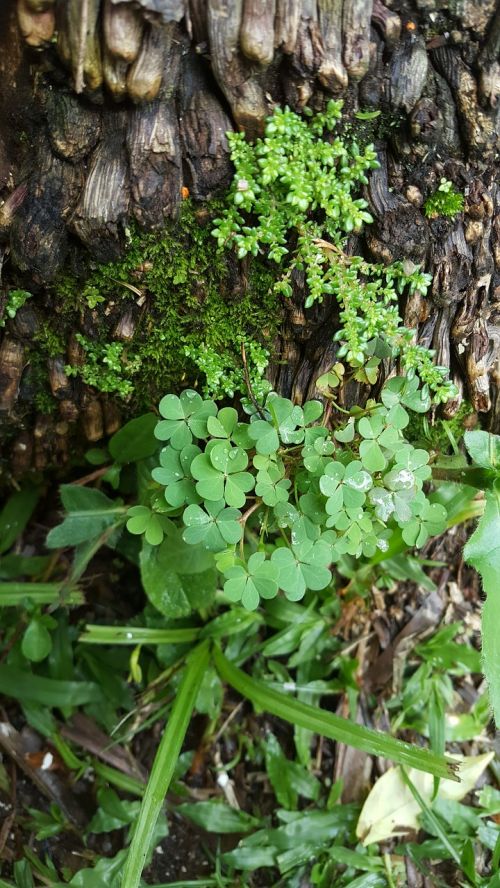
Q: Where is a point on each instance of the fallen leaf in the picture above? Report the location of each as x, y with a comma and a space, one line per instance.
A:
390, 809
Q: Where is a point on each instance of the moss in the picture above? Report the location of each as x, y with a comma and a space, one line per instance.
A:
439, 434
37, 384
446, 201
50, 342
188, 299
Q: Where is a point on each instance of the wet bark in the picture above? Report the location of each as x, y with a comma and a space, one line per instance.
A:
110, 108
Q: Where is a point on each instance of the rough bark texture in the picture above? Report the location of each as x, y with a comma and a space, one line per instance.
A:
130, 105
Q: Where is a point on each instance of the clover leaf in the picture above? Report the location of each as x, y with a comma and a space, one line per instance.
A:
265, 436
345, 486
315, 454
291, 419
142, 520
185, 417
378, 436
222, 425
174, 474
219, 474
406, 391
215, 527
346, 434
429, 520
272, 486
251, 582
357, 526
415, 461
302, 567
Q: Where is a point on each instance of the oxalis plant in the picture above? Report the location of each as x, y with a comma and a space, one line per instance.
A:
245, 518
250, 516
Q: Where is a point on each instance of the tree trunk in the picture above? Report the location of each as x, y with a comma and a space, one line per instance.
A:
113, 111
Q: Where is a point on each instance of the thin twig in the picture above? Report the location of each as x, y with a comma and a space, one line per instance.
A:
93, 476
249, 384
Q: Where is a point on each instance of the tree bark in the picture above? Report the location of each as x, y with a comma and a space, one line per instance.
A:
111, 109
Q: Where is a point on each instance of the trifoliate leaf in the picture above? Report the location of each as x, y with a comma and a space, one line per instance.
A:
265, 436
214, 526
251, 582
185, 417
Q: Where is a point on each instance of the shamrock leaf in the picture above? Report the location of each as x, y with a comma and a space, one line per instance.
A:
289, 419
406, 391
224, 424
272, 486
285, 514
265, 436
185, 417
357, 527
415, 461
302, 567
429, 520
315, 455
173, 473
345, 486
219, 474
142, 520
331, 379
214, 526
396, 500
378, 436
346, 434
312, 506
383, 503
368, 372
251, 582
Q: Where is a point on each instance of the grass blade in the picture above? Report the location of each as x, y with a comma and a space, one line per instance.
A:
14, 594
164, 764
23, 685
424, 807
333, 726
137, 635
119, 779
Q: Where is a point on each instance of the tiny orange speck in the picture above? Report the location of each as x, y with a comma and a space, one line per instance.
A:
411, 26
184, 192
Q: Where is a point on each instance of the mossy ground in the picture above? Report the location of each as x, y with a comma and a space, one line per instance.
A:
191, 308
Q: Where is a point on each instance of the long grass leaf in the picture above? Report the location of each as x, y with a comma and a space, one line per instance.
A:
23, 685
483, 552
436, 823
14, 594
164, 764
333, 726
137, 635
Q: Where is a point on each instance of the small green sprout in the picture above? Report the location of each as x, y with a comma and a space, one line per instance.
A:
446, 201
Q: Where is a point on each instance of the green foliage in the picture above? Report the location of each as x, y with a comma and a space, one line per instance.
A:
107, 367
195, 321
15, 301
311, 499
483, 552
255, 584
446, 201
292, 198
